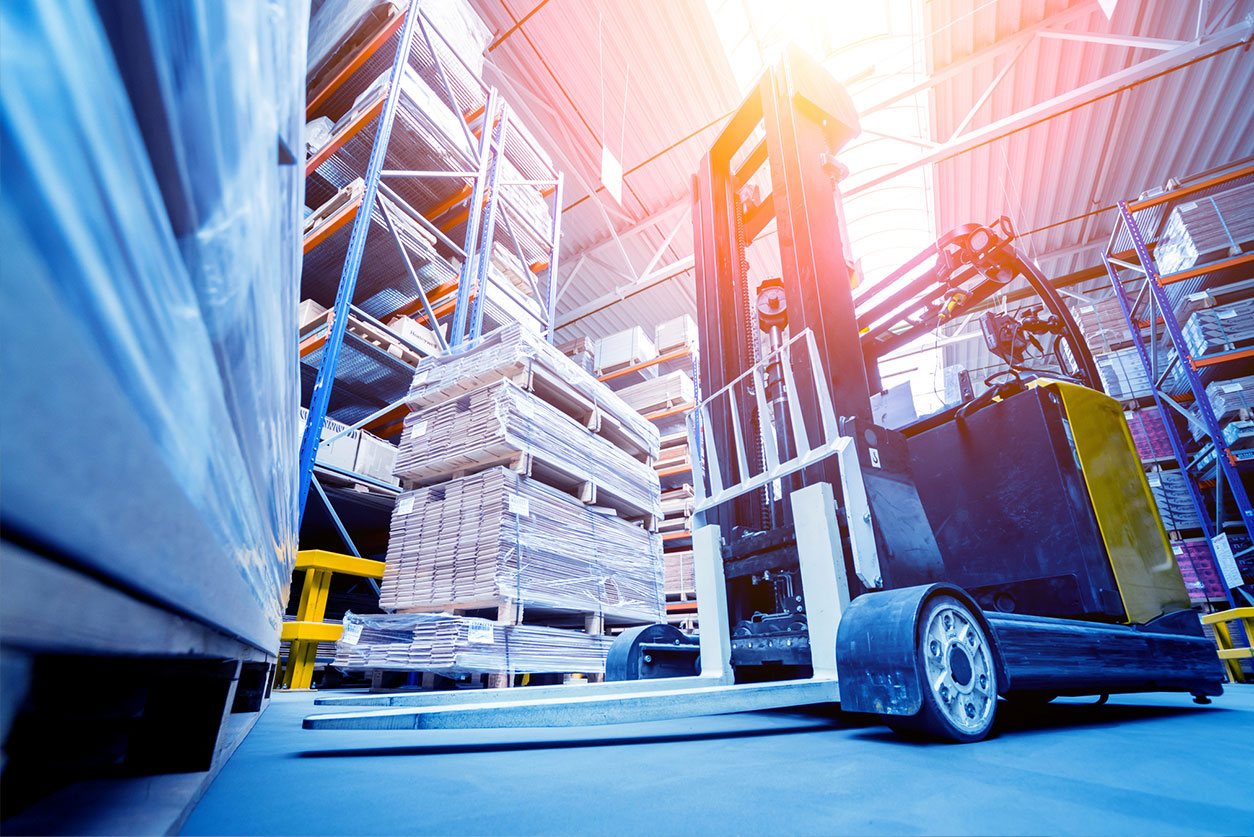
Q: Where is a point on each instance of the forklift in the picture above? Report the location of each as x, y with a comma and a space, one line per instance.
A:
1006, 548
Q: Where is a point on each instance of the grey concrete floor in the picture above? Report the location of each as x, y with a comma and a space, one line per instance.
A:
1145, 764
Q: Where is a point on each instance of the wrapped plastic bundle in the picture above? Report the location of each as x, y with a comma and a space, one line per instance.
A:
450, 645
1201, 576
156, 232
338, 27
501, 423
1211, 226
496, 537
1103, 325
1219, 328
516, 353
1149, 434
1233, 398
1175, 505
1123, 375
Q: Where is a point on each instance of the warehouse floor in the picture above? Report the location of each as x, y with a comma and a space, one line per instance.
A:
1153, 764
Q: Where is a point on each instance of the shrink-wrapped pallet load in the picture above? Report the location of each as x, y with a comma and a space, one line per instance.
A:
1210, 227
1223, 327
453, 645
496, 536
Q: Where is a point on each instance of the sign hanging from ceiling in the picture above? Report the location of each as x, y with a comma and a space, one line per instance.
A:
612, 175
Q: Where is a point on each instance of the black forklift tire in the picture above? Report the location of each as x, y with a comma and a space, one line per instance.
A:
958, 674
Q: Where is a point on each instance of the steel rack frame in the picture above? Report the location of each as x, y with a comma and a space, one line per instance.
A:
482, 206
1136, 229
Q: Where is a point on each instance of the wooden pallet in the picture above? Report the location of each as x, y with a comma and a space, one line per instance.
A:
339, 200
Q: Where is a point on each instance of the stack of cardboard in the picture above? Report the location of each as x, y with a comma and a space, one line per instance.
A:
452, 645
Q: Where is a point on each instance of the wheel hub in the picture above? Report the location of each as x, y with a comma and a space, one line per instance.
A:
959, 668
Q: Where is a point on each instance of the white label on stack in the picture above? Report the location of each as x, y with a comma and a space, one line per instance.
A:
1177, 548
420, 378
479, 632
405, 506
351, 634
519, 506
1230, 388
1226, 313
1153, 481
417, 429
1227, 563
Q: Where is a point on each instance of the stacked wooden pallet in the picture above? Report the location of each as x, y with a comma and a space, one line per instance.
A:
496, 537
453, 645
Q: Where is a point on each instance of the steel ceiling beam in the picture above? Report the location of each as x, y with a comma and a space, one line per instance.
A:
1143, 71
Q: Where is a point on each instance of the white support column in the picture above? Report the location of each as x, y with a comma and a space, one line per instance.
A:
823, 576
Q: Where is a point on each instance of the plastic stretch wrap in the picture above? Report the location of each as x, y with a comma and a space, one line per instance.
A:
1222, 327
501, 423
1230, 399
333, 24
1211, 227
518, 354
1123, 374
1149, 434
660, 393
1201, 576
446, 644
497, 536
152, 213
1175, 505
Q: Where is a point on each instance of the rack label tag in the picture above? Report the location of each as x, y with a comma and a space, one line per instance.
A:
479, 632
352, 633
405, 506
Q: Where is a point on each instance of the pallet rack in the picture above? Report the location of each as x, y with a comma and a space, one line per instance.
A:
445, 196
1150, 301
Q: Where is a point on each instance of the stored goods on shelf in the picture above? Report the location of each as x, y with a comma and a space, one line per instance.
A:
679, 333
1149, 435
1215, 225
1171, 495
1219, 328
496, 537
1124, 378
625, 348
501, 423
659, 393
451, 645
680, 577
376, 459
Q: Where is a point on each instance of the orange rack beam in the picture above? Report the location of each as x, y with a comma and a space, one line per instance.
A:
368, 49
675, 355
345, 134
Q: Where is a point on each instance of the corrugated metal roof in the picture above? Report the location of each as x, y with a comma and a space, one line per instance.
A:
574, 55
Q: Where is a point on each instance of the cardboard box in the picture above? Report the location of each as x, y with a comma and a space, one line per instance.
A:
308, 312
624, 349
678, 333
376, 458
342, 453
409, 329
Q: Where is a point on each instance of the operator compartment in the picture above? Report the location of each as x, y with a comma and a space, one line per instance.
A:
1039, 506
